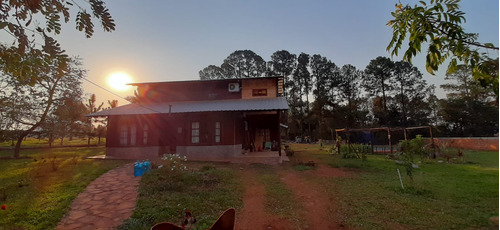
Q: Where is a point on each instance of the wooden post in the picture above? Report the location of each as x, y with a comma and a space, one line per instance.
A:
279, 133
404, 131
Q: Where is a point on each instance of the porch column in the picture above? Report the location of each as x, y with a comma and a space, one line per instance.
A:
279, 133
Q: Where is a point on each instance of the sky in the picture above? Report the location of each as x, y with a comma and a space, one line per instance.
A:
166, 40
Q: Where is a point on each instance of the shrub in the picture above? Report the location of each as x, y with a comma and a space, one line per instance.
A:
408, 150
173, 163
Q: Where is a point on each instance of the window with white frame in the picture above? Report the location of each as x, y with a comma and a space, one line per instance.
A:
145, 134
123, 135
133, 135
195, 132
217, 132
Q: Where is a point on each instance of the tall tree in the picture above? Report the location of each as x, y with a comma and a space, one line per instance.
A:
30, 21
302, 79
243, 64
29, 105
377, 81
439, 26
91, 107
212, 72
69, 116
239, 64
461, 84
282, 64
322, 71
470, 109
350, 93
410, 91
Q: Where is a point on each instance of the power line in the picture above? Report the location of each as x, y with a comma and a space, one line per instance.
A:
85, 79
139, 104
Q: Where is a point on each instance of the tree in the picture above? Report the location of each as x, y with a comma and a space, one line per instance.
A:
113, 104
239, 64
282, 64
323, 75
350, 94
410, 92
30, 21
463, 85
302, 79
439, 25
377, 81
27, 107
470, 109
243, 64
132, 99
91, 107
212, 72
68, 116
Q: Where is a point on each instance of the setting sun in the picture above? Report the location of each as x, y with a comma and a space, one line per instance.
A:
119, 80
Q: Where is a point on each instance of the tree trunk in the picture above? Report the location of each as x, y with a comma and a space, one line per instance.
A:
20, 139
42, 119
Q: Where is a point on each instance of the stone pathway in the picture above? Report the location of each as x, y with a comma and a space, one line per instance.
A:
105, 203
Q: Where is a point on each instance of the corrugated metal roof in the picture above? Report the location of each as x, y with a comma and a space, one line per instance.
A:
260, 104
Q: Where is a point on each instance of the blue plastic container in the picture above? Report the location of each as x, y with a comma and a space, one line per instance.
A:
137, 169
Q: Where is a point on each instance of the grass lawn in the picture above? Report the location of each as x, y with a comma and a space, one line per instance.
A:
34, 142
206, 190
443, 196
38, 190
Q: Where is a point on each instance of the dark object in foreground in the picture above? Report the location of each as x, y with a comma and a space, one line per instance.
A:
225, 222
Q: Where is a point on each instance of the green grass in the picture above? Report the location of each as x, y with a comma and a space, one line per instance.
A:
443, 195
39, 193
165, 194
34, 142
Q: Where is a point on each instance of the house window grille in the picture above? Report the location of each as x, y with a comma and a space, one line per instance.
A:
145, 134
123, 135
195, 132
217, 132
133, 135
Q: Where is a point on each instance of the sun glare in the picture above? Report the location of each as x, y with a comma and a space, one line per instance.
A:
119, 80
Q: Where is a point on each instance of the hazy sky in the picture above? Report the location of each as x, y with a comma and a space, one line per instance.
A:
172, 40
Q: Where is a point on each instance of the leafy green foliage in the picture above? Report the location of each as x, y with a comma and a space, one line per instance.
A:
26, 105
24, 58
439, 24
409, 150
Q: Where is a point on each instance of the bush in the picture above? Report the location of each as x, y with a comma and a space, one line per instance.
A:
408, 149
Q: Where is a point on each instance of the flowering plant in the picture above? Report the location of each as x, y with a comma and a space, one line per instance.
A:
173, 162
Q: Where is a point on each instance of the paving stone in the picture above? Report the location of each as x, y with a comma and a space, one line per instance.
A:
105, 203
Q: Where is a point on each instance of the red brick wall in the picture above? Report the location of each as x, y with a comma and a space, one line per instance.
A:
476, 143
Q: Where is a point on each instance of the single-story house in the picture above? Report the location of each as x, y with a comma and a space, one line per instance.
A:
214, 120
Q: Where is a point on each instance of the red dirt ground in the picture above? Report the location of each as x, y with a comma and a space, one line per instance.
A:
318, 208
253, 215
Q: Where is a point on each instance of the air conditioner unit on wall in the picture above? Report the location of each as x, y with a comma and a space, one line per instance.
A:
234, 87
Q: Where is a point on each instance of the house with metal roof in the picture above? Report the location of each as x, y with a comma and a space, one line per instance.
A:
235, 120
